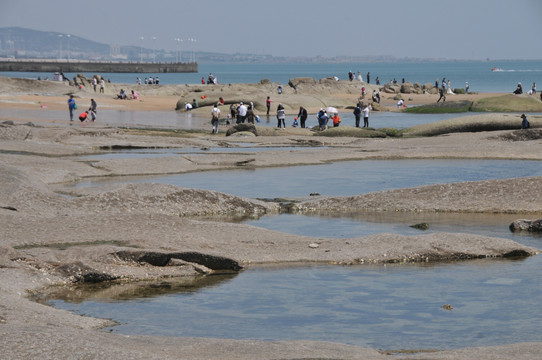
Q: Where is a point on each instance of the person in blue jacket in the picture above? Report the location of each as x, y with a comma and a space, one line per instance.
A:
71, 106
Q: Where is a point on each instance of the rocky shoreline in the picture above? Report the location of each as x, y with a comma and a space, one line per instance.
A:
150, 231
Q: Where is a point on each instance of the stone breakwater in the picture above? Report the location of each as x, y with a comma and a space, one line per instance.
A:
52, 66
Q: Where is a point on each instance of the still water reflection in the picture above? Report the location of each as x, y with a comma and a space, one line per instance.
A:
341, 178
188, 120
387, 307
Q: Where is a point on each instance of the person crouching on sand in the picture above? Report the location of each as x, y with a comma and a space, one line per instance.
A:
83, 116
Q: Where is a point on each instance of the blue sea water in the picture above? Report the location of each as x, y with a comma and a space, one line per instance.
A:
479, 74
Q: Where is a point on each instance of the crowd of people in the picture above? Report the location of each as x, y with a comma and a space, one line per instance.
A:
149, 81
241, 113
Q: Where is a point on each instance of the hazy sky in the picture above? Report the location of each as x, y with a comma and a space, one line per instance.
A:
463, 29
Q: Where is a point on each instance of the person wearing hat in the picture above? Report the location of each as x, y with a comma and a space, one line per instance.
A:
525, 123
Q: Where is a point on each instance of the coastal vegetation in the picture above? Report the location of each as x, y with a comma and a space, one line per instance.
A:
502, 103
474, 123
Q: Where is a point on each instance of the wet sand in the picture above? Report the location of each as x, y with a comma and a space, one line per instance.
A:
95, 226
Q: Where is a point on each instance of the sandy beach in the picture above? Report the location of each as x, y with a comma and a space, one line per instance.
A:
107, 232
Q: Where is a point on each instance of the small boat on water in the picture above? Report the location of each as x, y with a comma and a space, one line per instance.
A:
496, 69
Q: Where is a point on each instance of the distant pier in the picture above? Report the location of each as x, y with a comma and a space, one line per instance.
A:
81, 66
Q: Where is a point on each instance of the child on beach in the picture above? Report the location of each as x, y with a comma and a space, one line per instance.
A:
83, 116
336, 120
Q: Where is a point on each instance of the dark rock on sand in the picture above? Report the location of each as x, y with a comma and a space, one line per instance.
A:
242, 127
81, 273
526, 225
162, 259
420, 226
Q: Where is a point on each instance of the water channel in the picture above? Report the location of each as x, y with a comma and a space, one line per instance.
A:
382, 306
337, 179
187, 120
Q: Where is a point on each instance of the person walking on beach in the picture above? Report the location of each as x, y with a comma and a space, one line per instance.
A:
368, 77
241, 113
302, 115
102, 86
533, 89
359, 77
71, 106
357, 114
467, 87
92, 110
268, 104
441, 93
366, 116
250, 114
215, 115
94, 83
322, 119
281, 116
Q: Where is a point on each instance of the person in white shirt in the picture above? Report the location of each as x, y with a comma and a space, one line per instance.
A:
366, 116
241, 113
215, 115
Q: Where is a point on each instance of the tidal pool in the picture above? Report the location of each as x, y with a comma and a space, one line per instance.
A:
340, 178
382, 307
352, 225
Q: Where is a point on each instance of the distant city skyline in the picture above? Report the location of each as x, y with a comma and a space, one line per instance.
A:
459, 29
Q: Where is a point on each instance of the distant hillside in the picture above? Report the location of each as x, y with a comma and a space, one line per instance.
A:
22, 43
27, 43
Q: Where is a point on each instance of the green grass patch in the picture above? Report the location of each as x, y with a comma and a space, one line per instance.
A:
441, 107
463, 124
508, 103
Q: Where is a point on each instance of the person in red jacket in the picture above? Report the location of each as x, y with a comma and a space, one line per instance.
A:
336, 120
83, 116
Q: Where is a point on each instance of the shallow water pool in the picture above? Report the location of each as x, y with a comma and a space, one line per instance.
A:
383, 307
340, 178
188, 120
